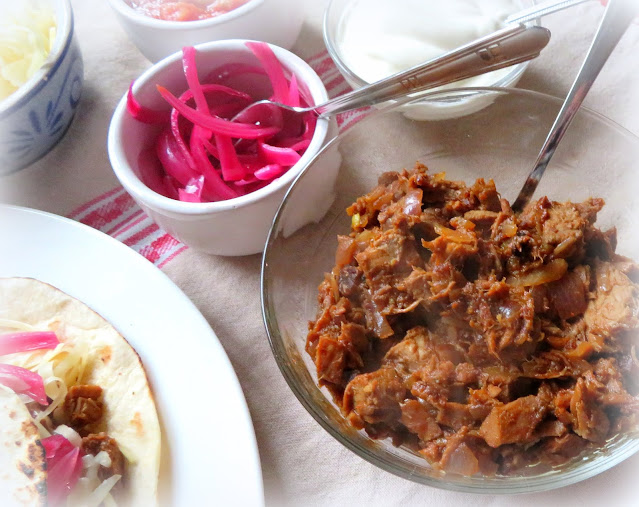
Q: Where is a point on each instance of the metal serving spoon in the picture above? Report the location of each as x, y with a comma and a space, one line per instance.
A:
505, 47
616, 19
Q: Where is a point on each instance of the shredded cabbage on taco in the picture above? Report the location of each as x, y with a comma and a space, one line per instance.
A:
77, 416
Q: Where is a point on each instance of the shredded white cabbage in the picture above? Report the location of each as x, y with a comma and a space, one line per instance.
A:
14, 325
109, 501
44, 433
100, 493
60, 369
27, 35
103, 459
70, 434
92, 463
82, 489
90, 466
89, 484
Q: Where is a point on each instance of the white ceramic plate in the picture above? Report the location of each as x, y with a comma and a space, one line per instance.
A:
209, 449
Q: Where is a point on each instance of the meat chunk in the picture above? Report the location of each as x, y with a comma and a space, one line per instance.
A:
330, 360
334, 355
95, 443
465, 454
83, 406
504, 315
558, 229
412, 353
417, 285
420, 418
482, 218
552, 365
514, 422
385, 263
568, 296
558, 450
374, 397
460, 459
615, 307
591, 422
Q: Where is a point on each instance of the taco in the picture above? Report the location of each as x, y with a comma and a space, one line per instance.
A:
77, 417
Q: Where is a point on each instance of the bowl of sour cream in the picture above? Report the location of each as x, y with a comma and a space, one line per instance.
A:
369, 40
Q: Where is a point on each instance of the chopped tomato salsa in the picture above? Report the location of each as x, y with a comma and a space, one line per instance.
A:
190, 10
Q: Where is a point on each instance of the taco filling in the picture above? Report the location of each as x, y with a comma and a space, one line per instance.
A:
85, 393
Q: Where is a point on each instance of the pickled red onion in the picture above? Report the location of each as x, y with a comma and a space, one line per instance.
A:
64, 467
219, 125
141, 113
23, 381
23, 341
204, 154
56, 445
274, 70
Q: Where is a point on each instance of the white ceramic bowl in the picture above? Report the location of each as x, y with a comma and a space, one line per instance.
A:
275, 21
234, 227
37, 115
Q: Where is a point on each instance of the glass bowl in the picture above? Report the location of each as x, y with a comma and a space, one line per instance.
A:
334, 16
596, 158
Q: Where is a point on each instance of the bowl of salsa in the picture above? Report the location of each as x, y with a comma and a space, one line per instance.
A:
160, 28
189, 10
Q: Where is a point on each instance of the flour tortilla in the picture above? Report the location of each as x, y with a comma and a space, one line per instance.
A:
130, 414
22, 463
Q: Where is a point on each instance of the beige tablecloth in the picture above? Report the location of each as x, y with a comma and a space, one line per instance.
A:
302, 464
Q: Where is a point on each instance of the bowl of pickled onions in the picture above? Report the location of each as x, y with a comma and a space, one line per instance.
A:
211, 181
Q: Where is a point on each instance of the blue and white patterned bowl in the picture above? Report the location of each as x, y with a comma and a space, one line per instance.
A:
37, 115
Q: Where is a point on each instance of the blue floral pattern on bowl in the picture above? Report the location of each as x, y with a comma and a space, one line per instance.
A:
34, 125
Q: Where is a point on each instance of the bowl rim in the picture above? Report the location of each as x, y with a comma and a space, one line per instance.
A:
129, 12
62, 43
524, 484
508, 79
132, 183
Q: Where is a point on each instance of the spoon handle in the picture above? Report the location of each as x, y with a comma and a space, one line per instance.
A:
616, 19
505, 47
539, 10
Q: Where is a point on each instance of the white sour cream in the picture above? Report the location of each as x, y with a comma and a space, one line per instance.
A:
377, 38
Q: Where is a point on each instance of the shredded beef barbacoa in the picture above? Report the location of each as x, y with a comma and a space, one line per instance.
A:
83, 406
84, 411
484, 340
